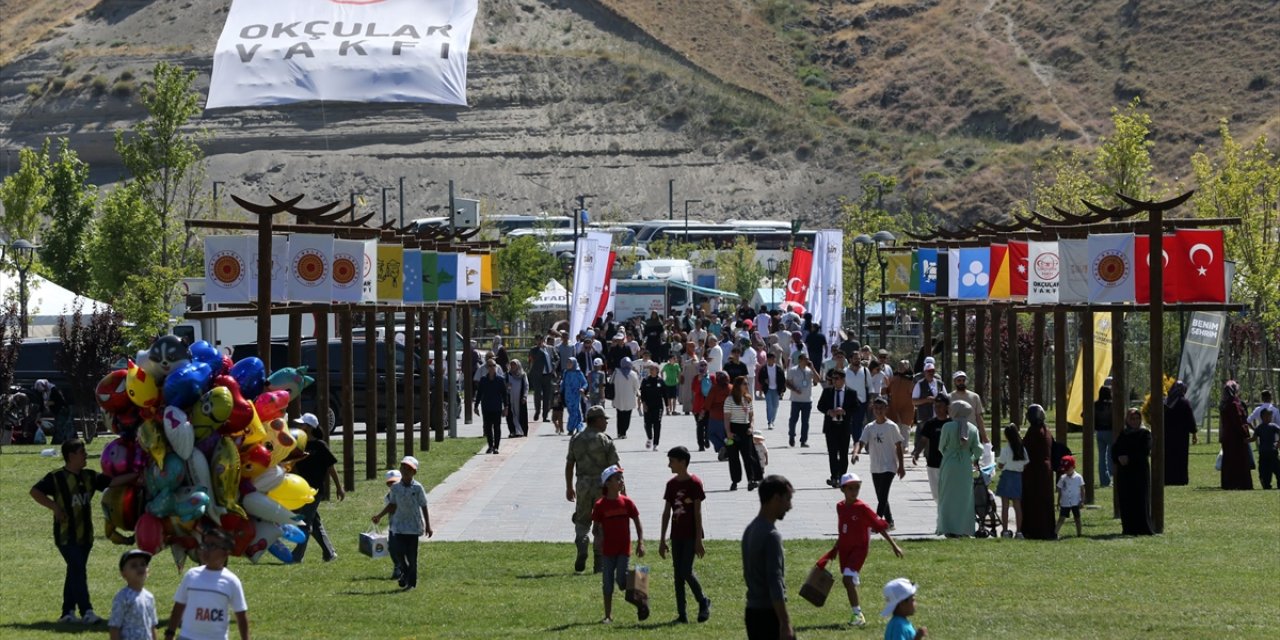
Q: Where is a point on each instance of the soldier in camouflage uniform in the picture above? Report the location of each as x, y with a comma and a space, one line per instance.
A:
590, 453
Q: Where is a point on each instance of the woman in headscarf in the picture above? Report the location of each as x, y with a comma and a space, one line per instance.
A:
960, 447
689, 367
700, 388
1131, 460
1234, 436
626, 394
1179, 422
716, 428
517, 396
573, 387
1037, 478
500, 353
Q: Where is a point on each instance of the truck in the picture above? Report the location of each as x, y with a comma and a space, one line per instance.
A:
638, 297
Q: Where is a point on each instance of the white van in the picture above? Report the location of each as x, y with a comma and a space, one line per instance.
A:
681, 270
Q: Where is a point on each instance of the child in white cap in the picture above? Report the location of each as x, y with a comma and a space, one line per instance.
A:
407, 505
614, 513
900, 602
855, 520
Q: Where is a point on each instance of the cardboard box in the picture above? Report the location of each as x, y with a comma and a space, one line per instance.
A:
817, 586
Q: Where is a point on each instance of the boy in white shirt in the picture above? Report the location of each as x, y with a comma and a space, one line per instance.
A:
1069, 494
208, 594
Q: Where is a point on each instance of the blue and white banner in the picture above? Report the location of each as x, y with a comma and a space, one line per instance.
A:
348, 270
974, 273
226, 268
286, 51
928, 267
310, 267
1112, 267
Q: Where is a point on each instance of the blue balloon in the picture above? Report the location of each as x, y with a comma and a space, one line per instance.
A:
293, 533
204, 352
252, 376
281, 552
183, 387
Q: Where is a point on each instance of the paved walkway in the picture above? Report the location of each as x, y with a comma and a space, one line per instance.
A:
519, 494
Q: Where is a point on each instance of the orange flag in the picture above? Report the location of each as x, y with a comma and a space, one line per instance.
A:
1000, 272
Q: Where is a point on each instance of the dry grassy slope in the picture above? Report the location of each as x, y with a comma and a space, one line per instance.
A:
24, 23
725, 37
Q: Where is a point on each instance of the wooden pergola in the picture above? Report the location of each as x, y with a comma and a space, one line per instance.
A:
1001, 371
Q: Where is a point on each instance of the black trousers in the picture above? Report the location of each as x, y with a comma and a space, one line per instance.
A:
404, 555
742, 453
882, 482
762, 624
837, 450
543, 389
682, 556
653, 424
492, 427
624, 422
701, 431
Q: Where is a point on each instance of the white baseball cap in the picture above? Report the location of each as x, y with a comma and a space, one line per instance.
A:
895, 592
609, 473
308, 419
411, 461
392, 476
959, 374
849, 477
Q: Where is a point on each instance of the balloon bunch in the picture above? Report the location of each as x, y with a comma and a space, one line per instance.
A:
212, 448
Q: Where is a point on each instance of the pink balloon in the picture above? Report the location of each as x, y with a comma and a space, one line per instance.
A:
271, 405
150, 533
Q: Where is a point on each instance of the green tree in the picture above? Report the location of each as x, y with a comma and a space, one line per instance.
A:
1244, 182
25, 194
71, 203
120, 244
1123, 160
137, 301
869, 215
739, 271
523, 269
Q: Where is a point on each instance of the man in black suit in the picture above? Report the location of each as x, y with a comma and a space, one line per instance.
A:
542, 378
837, 406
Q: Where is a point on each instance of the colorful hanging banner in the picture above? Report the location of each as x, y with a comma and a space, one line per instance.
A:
899, 272
1074, 280
1203, 273
310, 271
1111, 268
927, 265
369, 273
974, 281
798, 279
390, 273
1142, 269
348, 270
411, 281
953, 274
486, 273
1020, 268
1042, 281
430, 275
914, 285
469, 286
447, 276
278, 265
999, 289
1101, 368
607, 295
226, 269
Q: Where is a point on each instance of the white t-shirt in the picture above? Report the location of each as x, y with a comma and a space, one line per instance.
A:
715, 359
762, 324
879, 439
858, 382
1069, 487
409, 501
211, 597
1006, 459
878, 381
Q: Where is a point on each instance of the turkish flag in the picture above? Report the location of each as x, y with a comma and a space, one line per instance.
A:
1017, 268
607, 292
1203, 275
1142, 274
798, 279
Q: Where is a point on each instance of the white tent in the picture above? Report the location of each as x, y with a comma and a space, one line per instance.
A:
47, 304
554, 297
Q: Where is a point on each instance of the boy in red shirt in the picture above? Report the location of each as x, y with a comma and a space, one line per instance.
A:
855, 521
683, 510
612, 513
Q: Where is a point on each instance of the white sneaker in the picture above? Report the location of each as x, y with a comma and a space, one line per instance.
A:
91, 618
70, 618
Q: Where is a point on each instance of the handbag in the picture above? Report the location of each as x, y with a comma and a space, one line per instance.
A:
373, 543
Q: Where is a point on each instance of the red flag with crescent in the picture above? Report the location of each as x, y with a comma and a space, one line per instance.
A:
608, 288
798, 279
1174, 266
1203, 276
1018, 250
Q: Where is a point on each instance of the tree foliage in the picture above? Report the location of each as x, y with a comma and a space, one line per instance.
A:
25, 194
523, 269
10, 342
868, 215
89, 344
739, 271
63, 250
121, 244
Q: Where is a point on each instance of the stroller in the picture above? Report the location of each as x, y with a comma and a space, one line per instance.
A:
984, 504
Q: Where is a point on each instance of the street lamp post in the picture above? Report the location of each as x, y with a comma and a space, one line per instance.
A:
863, 245
884, 240
24, 253
772, 265
568, 299
686, 218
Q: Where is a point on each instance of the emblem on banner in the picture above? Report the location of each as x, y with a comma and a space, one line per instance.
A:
344, 270
1047, 266
1111, 268
310, 267
228, 269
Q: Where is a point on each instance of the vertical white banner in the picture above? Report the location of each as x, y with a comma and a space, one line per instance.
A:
348, 270
279, 266
1074, 279
600, 271
281, 51
1111, 267
1042, 281
826, 283
953, 273
469, 277
369, 272
310, 268
613, 296
584, 261
226, 269
817, 270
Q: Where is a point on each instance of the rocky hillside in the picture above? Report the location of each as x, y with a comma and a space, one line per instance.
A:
759, 108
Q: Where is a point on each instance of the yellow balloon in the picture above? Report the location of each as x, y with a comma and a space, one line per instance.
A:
225, 468
293, 492
255, 433
151, 437
301, 437
142, 387
279, 440
213, 408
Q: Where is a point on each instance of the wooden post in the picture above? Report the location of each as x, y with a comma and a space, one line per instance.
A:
348, 400
981, 350
438, 405
1014, 405
1060, 373
947, 343
409, 348
323, 405
926, 324
371, 418
389, 387
1089, 388
996, 399
1156, 232
1037, 360
264, 290
1119, 392
295, 358
962, 339
468, 362
424, 382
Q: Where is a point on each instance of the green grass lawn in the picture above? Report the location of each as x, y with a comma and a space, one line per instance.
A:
1212, 574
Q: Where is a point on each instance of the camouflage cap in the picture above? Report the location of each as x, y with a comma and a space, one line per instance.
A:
596, 412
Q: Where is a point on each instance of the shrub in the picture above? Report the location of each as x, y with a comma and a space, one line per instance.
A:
122, 89
35, 90
100, 84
